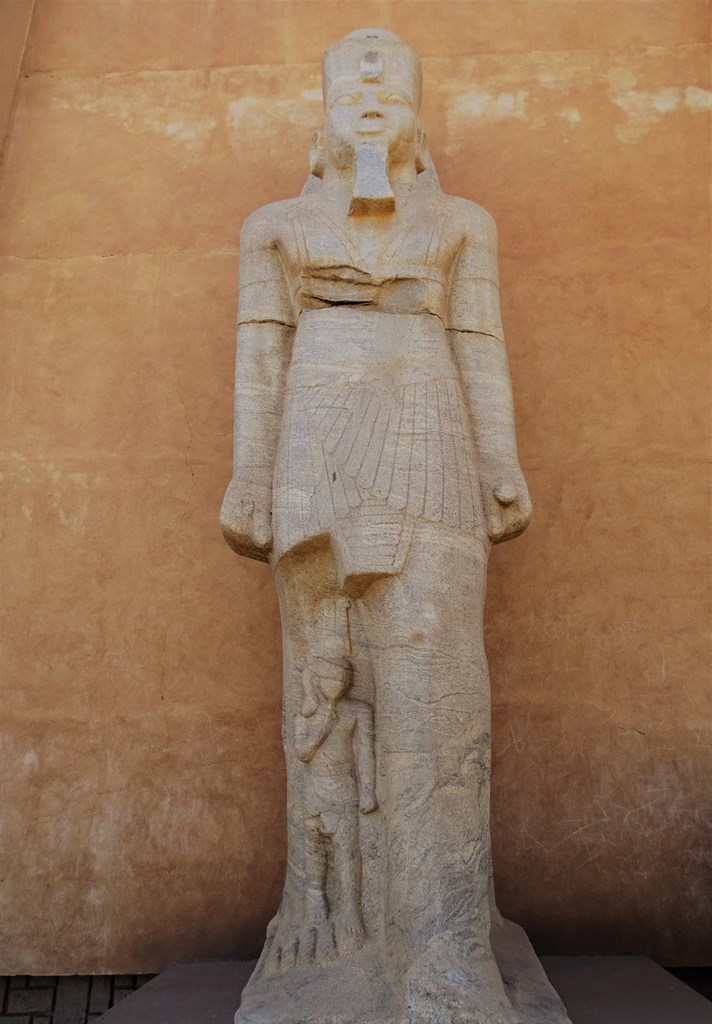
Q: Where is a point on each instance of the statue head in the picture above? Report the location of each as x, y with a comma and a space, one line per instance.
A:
330, 678
371, 84
372, 55
329, 672
334, 677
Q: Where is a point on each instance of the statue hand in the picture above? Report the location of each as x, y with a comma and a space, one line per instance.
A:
505, 498
246, 520
368, 805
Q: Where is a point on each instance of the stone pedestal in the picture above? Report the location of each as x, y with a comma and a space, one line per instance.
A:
595, 990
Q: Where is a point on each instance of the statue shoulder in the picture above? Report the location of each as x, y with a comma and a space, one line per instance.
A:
264, 225
475, 220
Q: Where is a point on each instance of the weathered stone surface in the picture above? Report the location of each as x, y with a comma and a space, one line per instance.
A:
124, 630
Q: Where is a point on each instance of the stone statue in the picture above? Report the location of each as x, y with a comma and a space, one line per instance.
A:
375, 463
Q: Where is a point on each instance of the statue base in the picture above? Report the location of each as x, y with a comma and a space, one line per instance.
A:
354, 990
595, 989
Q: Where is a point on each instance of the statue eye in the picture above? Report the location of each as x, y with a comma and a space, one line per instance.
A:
346, 101
393, 97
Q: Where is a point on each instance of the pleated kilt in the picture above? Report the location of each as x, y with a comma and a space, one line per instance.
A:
375, 437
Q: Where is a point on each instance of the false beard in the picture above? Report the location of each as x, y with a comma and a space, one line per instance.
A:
372, 189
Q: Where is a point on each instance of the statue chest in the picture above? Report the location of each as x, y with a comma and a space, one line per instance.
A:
399, 264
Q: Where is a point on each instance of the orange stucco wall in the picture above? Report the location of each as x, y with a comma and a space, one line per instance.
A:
14, 23
141, 777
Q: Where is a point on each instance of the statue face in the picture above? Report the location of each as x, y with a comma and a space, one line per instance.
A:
334, 684
370, 112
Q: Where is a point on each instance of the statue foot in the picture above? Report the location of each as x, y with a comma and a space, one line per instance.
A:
289, 944
452, 990
320, 943
295, 949
317, 937
350, 933
527, 986
281, 949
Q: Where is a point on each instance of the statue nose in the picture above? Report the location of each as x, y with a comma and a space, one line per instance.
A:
372, 113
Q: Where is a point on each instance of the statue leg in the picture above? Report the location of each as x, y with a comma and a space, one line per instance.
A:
303, 582
347, 868
319, 941
432, 715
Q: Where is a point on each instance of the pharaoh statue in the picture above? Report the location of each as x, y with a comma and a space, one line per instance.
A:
375, 463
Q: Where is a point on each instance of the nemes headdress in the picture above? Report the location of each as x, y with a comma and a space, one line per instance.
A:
372, 55
378, 56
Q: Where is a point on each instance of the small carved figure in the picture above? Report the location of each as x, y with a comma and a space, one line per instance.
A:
333, 735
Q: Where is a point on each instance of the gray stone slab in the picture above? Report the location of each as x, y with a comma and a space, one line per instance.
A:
624, 990
206, 993
100, 998
30, 1000
596, 990
72, 998
120, 994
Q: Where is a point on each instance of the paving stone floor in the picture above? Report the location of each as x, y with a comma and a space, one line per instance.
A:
72, 1000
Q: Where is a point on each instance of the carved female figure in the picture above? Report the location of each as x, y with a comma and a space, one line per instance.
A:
375, 463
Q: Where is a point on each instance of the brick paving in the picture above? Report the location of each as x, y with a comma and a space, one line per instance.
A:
68, 1000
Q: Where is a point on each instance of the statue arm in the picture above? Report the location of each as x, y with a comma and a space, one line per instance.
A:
477, 339
264, 340
310, 732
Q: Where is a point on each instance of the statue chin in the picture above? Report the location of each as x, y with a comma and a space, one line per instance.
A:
360, 360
